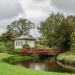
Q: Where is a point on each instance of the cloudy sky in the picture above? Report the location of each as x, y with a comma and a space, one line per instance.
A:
34, 10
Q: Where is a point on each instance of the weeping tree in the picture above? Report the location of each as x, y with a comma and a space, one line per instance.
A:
56, 31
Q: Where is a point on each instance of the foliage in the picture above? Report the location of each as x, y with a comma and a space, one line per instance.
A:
6, 37
73, 41
26, 46
9, 47
63, 35
2, 47
56, 31
13, 59
16, 51
19, 59
20, 27
40, 43
67, 58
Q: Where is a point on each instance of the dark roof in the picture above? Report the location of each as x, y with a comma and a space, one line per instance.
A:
27, 37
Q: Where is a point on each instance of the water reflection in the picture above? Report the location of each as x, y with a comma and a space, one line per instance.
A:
52, 65
37, 66
47, 66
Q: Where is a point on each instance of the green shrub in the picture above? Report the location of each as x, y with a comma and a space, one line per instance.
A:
16, 52
10, 47
67, 58
2, 47
12, 60
18, 59
26, 46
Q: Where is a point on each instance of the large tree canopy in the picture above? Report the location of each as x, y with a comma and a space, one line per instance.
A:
56, 31
21, 26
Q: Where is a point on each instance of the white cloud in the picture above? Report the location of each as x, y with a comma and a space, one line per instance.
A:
34, 10
37, 10
65, 5
9, 9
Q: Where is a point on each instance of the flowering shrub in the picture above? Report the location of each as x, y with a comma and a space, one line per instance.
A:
67, 58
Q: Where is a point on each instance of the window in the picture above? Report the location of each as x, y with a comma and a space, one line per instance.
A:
16, 43
21, 43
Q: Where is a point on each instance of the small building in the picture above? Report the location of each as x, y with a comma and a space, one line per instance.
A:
24, 39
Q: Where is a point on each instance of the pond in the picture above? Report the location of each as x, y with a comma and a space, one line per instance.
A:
47, 66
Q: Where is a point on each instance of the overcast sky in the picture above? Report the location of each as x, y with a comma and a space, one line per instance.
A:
34, 10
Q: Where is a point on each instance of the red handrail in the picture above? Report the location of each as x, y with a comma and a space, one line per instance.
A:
38, 51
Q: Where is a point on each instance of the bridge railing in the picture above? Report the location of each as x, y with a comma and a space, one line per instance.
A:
30, 51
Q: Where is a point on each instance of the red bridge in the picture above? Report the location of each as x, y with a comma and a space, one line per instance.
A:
51, 51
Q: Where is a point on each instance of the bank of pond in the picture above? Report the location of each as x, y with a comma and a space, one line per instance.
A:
34, 62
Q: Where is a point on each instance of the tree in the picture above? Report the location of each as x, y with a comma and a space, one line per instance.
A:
71, 22
21, 26
8, 36
63, 35
2, 47
57, 30
47, 28
9, 47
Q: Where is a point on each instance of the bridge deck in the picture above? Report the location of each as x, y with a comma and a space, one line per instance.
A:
41, 51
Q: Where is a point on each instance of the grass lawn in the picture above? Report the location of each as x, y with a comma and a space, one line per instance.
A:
8, 69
